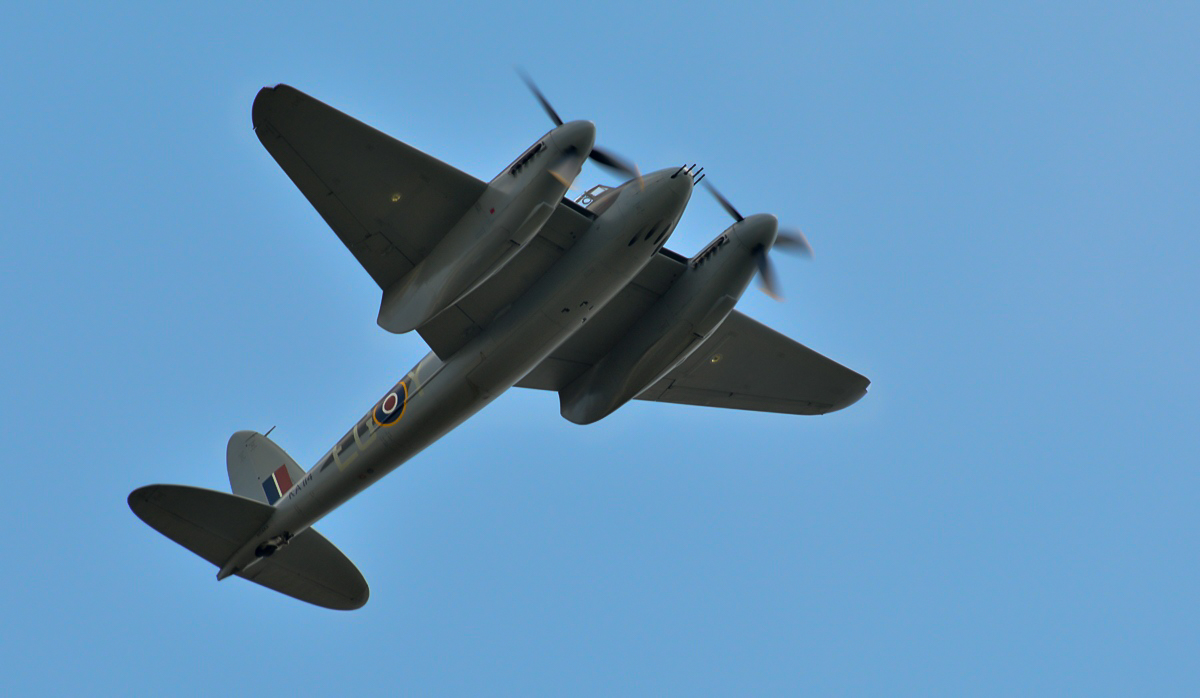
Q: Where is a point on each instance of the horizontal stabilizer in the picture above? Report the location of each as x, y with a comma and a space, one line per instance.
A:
312, 569
215, 525
209, 523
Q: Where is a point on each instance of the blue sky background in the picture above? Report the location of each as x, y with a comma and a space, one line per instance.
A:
1003, 202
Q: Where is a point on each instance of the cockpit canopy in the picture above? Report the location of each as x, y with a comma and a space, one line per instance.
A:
599, 198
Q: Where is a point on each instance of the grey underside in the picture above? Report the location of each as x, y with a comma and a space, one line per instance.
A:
214, 525
349, 171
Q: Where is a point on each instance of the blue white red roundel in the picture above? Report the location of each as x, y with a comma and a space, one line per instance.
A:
391, 408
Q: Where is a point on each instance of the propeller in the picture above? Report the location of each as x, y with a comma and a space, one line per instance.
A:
600, 156
793, 241
724, 203
790, 240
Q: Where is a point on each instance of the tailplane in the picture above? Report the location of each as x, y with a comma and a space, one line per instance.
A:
215, 525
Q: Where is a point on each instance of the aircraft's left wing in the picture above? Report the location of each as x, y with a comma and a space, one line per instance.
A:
743, 365
746, 365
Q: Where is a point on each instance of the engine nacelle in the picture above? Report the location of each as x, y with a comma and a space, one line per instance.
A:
511, 211
674, 327
666, 335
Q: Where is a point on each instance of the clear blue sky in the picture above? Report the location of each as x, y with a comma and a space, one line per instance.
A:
1003, 202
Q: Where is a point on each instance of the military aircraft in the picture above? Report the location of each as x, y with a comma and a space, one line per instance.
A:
509, 283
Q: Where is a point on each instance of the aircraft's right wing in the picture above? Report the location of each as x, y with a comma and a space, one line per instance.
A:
388, 202
746, 365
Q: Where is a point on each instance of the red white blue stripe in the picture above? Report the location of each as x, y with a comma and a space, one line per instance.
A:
277, 484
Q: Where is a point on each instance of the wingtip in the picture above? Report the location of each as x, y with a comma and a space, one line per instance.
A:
258, 111
262, 102
852, 396
362, 600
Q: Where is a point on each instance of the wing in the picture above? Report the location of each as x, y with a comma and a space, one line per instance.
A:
387, 201
746, 365
451, 329
757, 369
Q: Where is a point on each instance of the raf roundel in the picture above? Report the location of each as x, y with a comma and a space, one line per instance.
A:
391, 408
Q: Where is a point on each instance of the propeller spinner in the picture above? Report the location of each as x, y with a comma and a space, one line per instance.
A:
790, 240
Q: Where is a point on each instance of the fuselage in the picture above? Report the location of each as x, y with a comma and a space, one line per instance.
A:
436, 396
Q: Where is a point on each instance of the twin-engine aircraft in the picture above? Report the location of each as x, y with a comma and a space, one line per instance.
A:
510, 284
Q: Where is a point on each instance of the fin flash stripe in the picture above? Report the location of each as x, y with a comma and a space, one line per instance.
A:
277, 484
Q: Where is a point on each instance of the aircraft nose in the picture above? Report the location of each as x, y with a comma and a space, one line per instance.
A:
675, 187
683, 184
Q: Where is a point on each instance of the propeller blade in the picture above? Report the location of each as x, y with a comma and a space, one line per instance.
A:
766, 273
541, 98
725, 203
615, 163
793, 241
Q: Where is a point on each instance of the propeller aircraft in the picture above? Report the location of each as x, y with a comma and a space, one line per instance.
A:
510, 284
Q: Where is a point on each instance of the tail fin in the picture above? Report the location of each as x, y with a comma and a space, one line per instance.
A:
258, 469
214, 525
